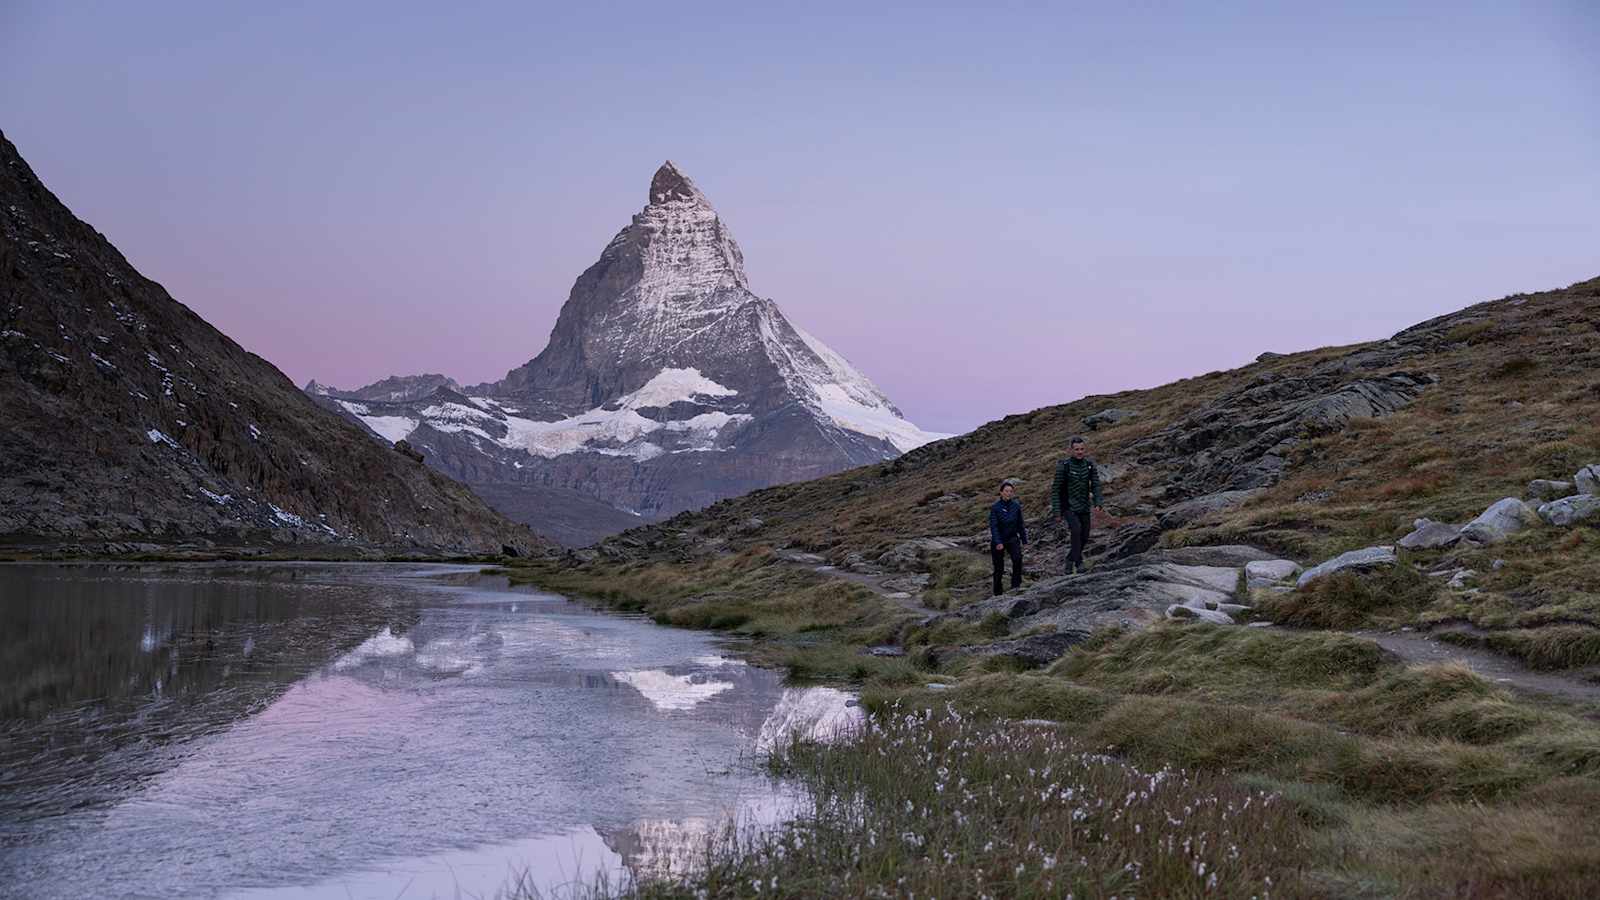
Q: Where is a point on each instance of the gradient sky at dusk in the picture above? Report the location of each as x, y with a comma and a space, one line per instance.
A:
985, 211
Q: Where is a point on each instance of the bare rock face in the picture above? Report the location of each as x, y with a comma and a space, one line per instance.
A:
1243, 440
667, 384
131, 423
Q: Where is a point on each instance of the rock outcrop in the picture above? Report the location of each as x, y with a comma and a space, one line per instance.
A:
1244, 439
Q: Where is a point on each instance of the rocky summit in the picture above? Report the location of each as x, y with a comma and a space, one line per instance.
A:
133, 426
667, 385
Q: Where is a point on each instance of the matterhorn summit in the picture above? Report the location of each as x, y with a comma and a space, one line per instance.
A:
667, 384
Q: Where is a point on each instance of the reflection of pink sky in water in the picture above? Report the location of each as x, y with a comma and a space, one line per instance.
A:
558, 865
492, 730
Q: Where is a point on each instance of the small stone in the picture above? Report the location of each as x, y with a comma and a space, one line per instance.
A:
1497, 565
1107, 417
936, 686
1406, 629
1259, 625
1179, 611
1459, 579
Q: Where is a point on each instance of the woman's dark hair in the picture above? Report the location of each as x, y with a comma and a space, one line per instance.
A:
1005, 483
1076, 439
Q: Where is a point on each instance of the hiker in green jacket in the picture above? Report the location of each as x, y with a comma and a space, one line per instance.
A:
1075, 490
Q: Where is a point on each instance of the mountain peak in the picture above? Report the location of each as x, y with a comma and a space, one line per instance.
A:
671, 184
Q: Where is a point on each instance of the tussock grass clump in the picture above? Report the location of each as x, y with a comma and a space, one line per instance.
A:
1348, 600
924, 804
1552, 647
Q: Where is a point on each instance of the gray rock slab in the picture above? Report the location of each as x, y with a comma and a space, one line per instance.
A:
1571, 510
1364, 560
1190, 511
1234, 555
1431, 535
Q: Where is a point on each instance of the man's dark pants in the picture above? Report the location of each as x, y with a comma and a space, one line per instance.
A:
1078, 524
1014, 548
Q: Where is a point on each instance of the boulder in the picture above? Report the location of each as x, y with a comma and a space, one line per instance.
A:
1431, 535
1502, 519
1460, 578
1107, 417
1571, 510
1545, 489
1199, 614
1181, 514
1588, 479
1364, 560
1269, 571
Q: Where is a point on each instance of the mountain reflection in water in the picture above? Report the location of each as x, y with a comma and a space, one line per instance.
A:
347, 730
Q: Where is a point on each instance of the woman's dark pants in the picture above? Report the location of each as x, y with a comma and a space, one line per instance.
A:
1014, 548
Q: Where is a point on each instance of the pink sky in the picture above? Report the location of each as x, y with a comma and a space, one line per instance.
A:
985, 213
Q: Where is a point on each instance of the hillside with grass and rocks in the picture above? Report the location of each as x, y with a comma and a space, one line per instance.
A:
1365, 579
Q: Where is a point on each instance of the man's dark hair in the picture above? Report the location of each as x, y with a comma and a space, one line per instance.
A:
1076, 440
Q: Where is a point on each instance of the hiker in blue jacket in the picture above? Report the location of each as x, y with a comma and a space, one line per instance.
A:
1007, 533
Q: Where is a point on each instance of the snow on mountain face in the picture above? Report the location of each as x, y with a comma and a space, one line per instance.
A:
666, 383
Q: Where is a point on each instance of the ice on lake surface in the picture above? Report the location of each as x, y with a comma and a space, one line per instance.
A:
324, 730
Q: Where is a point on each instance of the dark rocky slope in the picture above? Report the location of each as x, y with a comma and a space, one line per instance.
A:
132, 425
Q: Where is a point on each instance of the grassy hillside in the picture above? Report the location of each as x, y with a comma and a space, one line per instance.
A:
1409, 780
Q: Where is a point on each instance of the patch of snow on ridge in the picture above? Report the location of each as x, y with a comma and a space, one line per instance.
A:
392, 428
671, 693
671, 385
621, 429
832, 387
356, 409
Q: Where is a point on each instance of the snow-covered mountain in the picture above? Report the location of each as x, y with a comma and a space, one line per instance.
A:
666, 385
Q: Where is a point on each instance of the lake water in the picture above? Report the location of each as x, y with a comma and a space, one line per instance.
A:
356, 731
